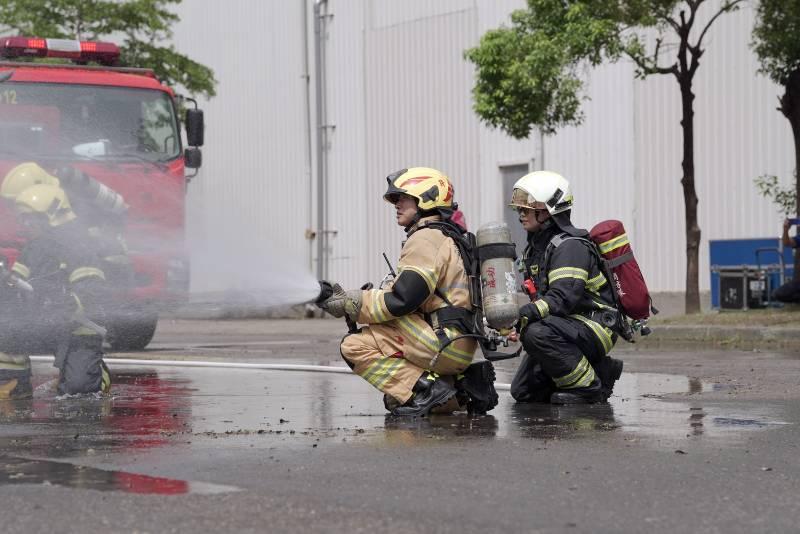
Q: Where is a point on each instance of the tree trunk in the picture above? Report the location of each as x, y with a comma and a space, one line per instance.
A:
790, 107
690, 196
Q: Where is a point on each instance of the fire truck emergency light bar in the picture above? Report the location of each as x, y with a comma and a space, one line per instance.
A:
78, 51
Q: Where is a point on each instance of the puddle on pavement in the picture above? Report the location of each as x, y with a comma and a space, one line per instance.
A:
185, 410
15, 470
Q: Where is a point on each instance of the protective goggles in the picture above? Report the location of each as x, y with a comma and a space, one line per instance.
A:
520, 199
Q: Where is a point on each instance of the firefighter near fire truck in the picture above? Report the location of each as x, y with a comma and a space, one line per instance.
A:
100, 210
108, 135
64, 309
574, 317
419, 334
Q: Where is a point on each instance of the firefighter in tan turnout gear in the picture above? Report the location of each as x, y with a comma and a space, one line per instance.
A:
565, 328
399, 351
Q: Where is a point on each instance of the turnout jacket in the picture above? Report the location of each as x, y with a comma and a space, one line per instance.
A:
569, 281
66, 274
429, 268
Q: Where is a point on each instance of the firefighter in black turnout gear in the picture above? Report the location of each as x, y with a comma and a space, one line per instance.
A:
569, 326
61, 263
101, 210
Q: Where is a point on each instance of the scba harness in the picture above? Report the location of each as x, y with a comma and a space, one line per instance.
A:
632, 306
469, 322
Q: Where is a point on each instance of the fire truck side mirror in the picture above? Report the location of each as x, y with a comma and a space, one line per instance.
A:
192, 158
195, 127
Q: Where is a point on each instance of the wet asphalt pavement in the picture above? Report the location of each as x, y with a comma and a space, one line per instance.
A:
188, 449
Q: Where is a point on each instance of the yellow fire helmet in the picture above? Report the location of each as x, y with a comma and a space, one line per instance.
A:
22, 177
431, 188
49, 200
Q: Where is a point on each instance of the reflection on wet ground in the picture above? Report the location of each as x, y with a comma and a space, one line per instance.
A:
15, 470
188, 410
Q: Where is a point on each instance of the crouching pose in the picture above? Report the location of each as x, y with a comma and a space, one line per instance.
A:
564, 327
411, 349
68, 288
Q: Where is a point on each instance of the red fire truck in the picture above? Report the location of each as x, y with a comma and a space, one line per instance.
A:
120, 126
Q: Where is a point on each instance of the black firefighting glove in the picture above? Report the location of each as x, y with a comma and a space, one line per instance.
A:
528, 313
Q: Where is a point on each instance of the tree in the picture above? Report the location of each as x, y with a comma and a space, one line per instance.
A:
785, 199
145, 25
776, 42
529, 75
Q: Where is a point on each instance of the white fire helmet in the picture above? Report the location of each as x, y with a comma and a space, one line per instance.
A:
542, 187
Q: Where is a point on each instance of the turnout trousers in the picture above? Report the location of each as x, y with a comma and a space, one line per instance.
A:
788, 292
562, 353
392, 356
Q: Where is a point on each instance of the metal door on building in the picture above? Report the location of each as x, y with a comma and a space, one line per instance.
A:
510, 174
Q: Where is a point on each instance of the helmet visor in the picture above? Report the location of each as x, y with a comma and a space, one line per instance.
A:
521, 199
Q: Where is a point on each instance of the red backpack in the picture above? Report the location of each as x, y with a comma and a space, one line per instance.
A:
622, 269
610, 244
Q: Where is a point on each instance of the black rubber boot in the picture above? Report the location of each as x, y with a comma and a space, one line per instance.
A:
530, 384
477, 385
608, 371
16, 388
82, 371
429, 391
15, 381
389, 402
588, 395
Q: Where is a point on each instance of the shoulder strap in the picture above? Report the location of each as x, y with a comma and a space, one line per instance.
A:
559, 239
465, 241
466, 244
556, 241
446, 227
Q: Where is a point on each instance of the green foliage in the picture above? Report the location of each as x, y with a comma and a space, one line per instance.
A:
530, 74
145, 25
769, 187
776, 38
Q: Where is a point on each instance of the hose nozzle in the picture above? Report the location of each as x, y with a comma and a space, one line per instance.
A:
325, 292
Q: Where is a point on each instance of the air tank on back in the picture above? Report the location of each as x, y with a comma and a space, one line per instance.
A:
496, 252
100, 196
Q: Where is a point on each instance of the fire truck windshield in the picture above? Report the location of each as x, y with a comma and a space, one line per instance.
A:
87, 122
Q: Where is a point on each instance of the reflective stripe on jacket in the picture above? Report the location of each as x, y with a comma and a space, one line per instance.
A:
428, 262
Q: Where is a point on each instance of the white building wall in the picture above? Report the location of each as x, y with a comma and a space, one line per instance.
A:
398, 93
598, 156
347, 174
418, 113
250, 203
739, 135
496, 149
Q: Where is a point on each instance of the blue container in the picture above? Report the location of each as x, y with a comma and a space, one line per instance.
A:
730, 253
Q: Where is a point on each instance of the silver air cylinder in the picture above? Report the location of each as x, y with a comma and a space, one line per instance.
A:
497, 253
99, 195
